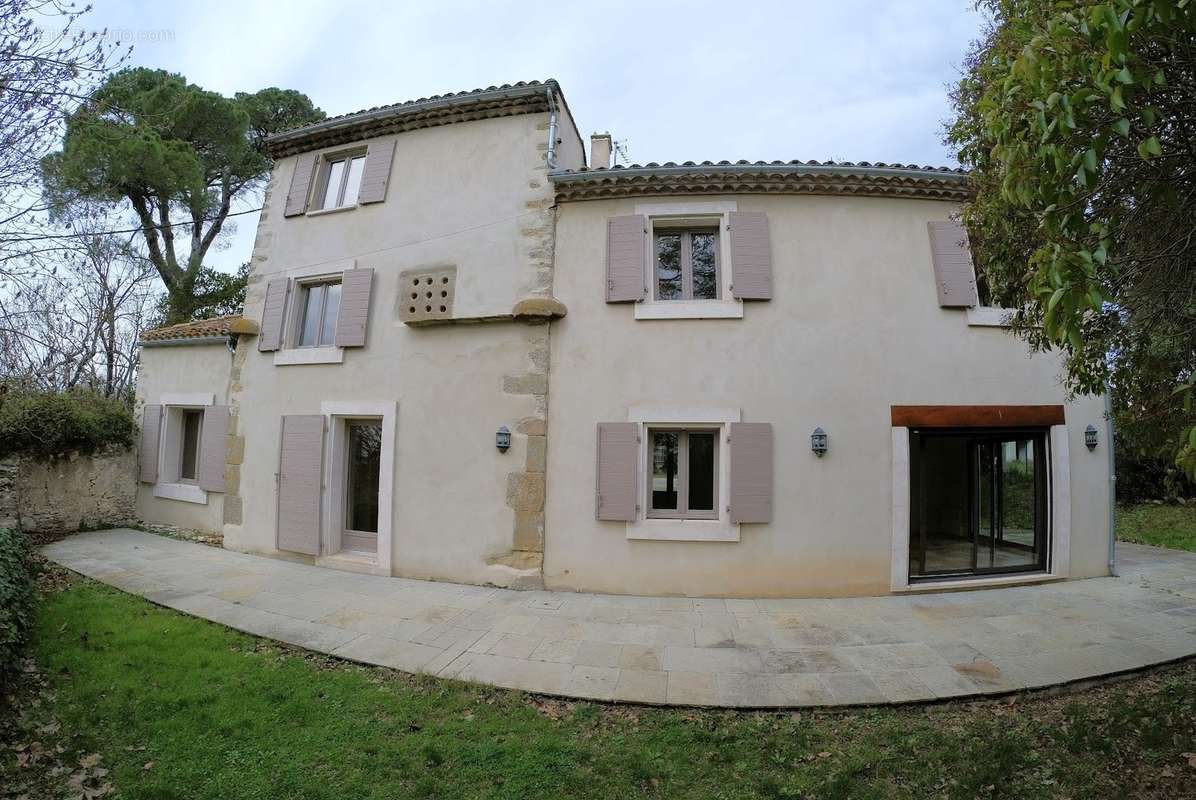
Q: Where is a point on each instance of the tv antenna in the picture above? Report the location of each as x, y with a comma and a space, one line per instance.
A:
620, 152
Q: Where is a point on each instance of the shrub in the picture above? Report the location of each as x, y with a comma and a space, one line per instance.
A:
51, 423
1143, 477
16, 600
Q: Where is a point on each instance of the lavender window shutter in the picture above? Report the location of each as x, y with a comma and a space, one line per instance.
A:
300, 458
376, 175
270, 337
626, 244
301, 178
354, 315
618, 451
151, 428
213, 448
954, 275
751, 471
751, 256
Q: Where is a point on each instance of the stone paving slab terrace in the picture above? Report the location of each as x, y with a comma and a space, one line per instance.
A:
677, 650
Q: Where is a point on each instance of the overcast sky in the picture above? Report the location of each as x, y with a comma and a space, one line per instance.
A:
858, 80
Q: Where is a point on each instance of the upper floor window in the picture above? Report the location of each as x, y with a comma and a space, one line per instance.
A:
342, 180
319, 304
687, 264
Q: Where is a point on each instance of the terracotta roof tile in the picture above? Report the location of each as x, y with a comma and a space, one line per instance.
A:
438, 109
217, 327
762, 177
761, 166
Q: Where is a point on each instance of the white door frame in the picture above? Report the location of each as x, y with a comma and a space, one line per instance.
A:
381, 563
1058, 503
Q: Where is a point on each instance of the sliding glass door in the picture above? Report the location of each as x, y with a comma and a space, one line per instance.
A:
978, 502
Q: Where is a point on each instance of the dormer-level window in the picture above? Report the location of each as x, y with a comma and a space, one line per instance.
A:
687, 264
342, 180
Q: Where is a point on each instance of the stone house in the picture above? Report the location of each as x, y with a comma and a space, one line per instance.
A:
467, 355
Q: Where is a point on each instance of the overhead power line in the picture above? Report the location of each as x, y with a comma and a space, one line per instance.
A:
138, 229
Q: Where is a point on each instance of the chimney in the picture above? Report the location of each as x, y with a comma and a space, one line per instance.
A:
600, 145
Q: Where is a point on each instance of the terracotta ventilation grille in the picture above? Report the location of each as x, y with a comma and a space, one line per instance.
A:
426, 295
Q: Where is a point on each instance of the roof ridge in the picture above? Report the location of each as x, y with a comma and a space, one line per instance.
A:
774, 163
466, 93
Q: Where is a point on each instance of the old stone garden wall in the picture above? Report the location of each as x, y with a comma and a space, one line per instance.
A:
69, 492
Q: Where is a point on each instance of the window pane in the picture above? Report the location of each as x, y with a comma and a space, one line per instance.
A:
941, 514
668, 266
365, 449
356, 165
190, 456
701, 472
309, 331
664, 470
1017, 534
332, 304
332, 188
705, 246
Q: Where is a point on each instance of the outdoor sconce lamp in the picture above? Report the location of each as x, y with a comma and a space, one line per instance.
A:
818, 442
502, 439
1090, 437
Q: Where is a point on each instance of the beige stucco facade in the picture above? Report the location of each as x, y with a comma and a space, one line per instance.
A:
472, 196
191, 375
853, 328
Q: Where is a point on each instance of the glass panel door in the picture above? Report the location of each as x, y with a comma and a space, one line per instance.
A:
363, 467
978, 503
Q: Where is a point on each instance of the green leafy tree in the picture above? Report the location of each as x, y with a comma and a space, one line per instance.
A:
1077, 121
179, 157
216, 294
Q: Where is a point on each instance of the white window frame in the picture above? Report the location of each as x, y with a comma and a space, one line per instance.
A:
1058, 509
316, 205
690, 215
720, 529
683, 433
170, 486
337, 413
289, 354
302, 287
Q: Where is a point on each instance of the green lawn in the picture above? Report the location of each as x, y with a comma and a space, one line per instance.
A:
175, 707
1161, 526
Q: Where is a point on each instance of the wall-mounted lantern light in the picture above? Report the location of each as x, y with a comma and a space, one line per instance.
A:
502, 439
1090, 437
818, 442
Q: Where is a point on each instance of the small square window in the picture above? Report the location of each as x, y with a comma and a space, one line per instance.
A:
189, 449
319, 304
682, 474
687, 264
341, 181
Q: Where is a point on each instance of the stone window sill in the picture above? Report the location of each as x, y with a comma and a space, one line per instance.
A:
989, 317
683, 530
185, 492
309, 355
322, 212
690, 309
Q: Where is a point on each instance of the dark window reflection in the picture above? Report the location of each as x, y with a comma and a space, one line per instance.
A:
668, 267
365, 449
705, 272
664, 470
701, 471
